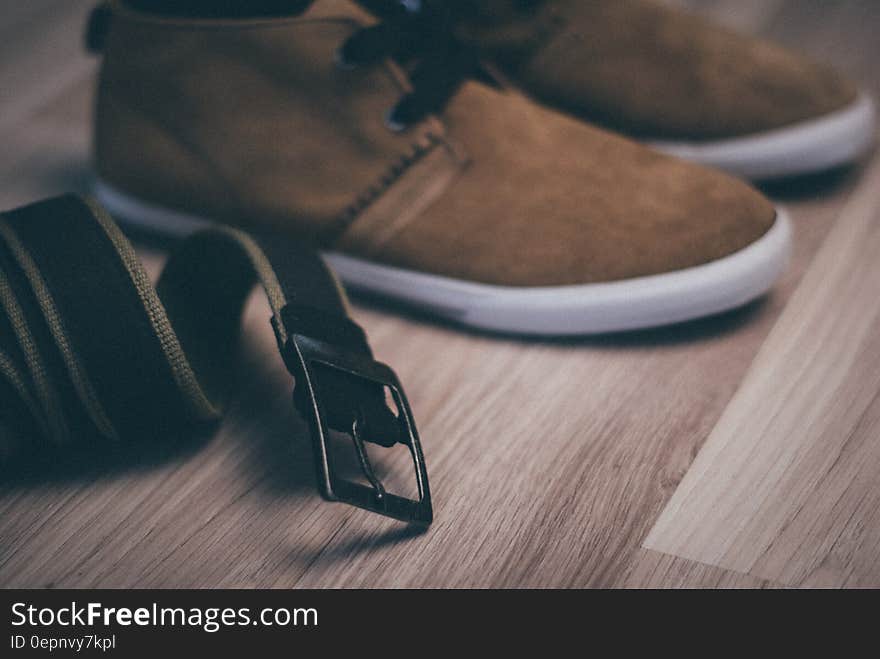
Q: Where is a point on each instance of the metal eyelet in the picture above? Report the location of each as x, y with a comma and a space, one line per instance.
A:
342, 63
412, 6
391, 124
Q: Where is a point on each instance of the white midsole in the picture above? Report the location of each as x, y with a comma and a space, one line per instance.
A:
811, 146
630, 304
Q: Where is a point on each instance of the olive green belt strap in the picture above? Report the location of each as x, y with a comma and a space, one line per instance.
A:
91, 351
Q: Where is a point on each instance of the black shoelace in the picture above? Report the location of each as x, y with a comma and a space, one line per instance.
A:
418, 34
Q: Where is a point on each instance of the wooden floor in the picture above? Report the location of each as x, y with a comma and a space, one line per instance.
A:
743, 451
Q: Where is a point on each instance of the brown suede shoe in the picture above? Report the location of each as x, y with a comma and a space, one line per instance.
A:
472, 203
689, 87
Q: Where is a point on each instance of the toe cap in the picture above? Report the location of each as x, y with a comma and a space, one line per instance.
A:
550, 201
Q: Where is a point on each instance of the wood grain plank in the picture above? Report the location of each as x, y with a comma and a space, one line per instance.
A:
550, 461
651, 569
839, 34
41, 52
788, 485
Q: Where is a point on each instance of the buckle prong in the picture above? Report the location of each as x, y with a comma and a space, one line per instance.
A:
364, 459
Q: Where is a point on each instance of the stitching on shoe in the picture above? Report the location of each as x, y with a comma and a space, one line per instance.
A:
398, 168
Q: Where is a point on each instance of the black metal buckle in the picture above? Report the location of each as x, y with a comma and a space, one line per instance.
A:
303, 354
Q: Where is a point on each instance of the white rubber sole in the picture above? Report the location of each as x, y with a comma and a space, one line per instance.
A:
631, 304
812, 146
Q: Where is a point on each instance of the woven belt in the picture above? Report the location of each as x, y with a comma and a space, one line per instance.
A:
90, 349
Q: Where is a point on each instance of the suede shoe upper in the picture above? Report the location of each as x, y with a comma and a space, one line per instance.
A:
254, 122
650, 70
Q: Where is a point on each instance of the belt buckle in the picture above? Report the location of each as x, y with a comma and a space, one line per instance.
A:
303, 353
